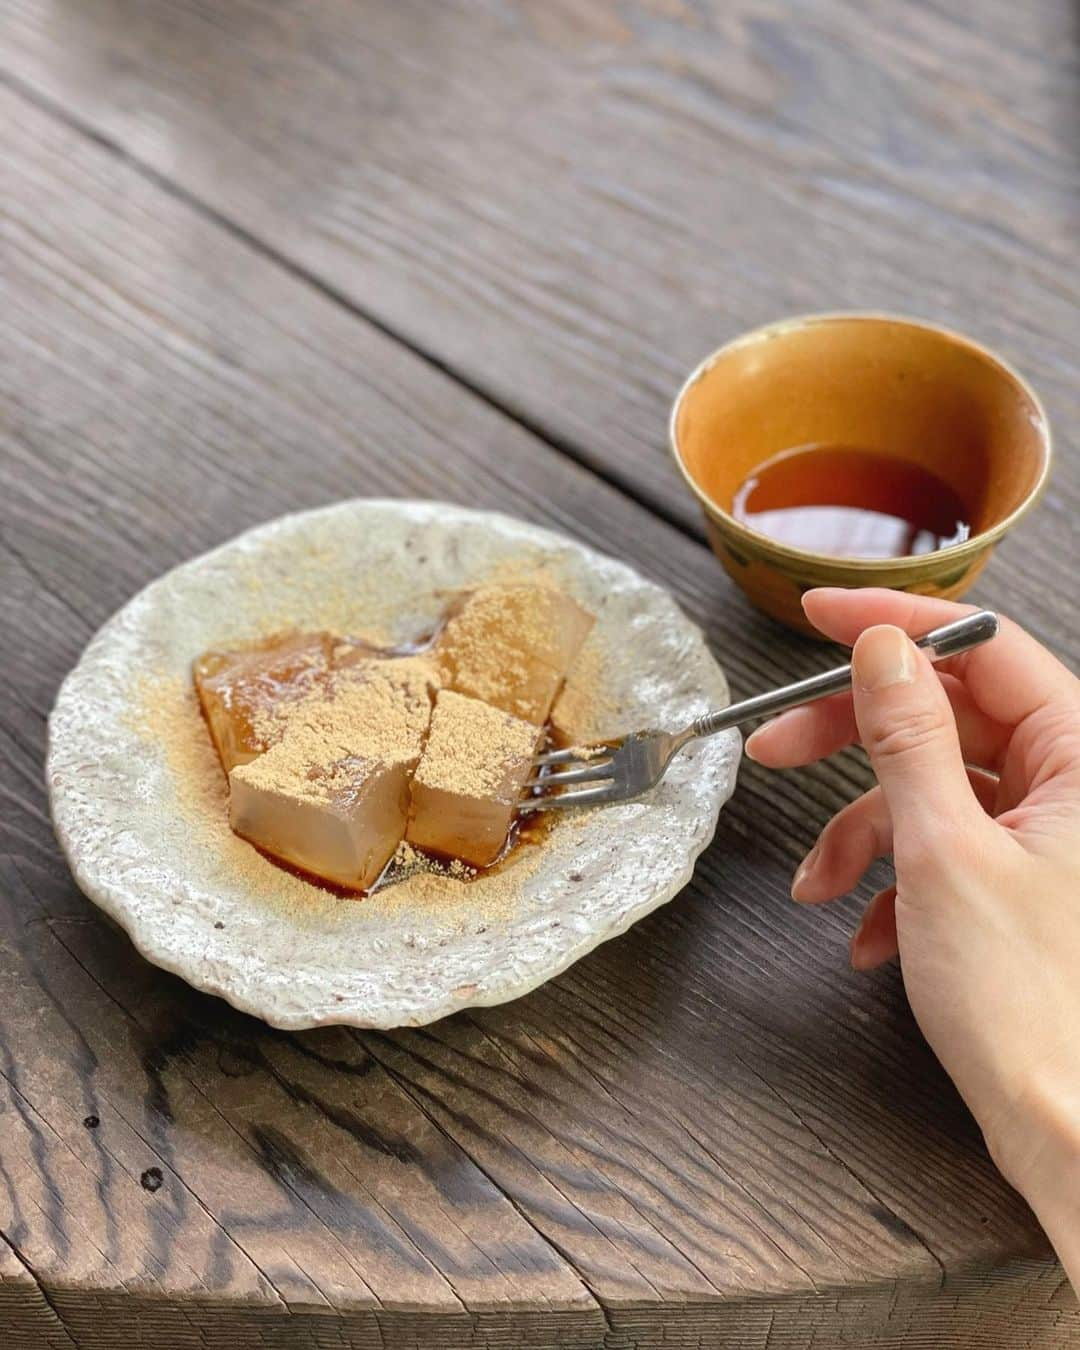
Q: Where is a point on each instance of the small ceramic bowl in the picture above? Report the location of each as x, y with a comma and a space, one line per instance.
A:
898, 387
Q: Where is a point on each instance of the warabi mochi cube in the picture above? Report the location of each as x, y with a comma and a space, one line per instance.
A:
332, 795
245, 692
469, 779
511, 646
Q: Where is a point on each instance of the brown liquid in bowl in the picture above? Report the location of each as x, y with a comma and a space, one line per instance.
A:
851, 503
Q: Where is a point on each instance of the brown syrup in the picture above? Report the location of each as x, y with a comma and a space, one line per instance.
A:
853, 503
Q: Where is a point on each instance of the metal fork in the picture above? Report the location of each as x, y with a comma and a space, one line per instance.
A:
629, 766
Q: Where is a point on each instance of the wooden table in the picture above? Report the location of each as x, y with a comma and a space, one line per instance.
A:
263, 256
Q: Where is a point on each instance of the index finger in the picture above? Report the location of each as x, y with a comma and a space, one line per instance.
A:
1009, 678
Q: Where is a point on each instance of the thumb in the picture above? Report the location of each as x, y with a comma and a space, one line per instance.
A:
907, 726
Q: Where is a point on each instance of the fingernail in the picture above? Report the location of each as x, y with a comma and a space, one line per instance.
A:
755, 735
803, 870
820, 590
882, 657
785, 719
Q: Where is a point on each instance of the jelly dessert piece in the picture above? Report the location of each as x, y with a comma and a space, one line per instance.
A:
331, 796
341, 822
469, 779
245, 692
511, 646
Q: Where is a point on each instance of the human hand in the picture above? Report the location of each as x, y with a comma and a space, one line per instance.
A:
978, 766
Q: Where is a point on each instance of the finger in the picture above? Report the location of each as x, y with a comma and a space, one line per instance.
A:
1041, 778
1010, 677
875, 940
856, 837
805, 735
906, 724
846, 847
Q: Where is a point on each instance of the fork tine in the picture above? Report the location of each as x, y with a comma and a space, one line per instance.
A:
586, 754
588, 773
555, 757
560, 800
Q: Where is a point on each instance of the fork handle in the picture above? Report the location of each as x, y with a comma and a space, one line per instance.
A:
953, 638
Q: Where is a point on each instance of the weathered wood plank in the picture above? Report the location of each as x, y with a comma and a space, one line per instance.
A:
694, 1118
571, 205
27, 1319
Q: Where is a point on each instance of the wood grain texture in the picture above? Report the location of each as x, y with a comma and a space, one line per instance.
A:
570, 204
707, 1133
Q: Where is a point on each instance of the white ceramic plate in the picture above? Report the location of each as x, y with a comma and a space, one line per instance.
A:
139, 801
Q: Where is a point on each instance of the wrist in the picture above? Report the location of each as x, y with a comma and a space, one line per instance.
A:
1037, 1148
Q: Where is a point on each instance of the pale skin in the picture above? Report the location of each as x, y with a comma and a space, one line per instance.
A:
978, 802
